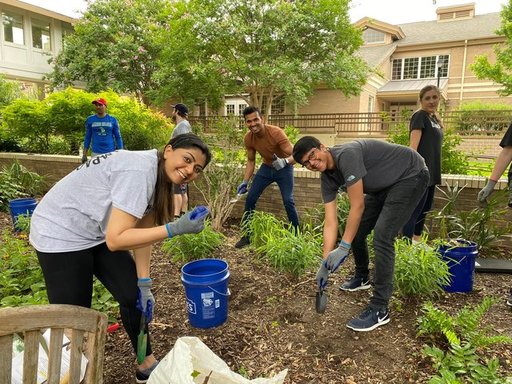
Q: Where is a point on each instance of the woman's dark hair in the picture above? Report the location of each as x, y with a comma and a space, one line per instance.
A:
163, 206
303, 146
427, 88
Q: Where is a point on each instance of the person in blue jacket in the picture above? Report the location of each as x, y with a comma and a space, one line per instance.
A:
103, 130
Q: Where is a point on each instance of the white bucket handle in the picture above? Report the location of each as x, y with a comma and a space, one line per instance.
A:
220, 293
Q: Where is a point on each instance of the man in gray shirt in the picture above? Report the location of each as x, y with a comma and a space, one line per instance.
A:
179, 116
384, 183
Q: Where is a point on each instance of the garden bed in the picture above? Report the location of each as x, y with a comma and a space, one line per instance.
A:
272, 325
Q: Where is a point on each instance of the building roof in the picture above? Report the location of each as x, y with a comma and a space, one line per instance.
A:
428, 32
375, 55
39, 10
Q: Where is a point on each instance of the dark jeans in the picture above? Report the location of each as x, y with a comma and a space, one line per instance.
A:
69, 278
417, 221
385, 213
265, 176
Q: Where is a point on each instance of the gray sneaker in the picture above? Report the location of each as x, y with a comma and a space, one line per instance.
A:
355, 283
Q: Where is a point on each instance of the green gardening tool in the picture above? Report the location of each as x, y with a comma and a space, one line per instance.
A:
142, 340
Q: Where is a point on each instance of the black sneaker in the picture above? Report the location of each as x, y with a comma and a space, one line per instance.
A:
369, 319
355, 283
509, 300
243, 242
142, 377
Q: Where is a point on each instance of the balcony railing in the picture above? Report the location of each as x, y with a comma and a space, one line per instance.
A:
377, 123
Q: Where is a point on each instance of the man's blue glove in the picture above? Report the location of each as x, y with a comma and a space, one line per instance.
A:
336, 257
145, 300
242, 188
322, 275
190, 222
279, 163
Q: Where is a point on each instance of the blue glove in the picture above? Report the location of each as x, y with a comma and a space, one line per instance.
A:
190, 222
145, 299
336, 257
279, 163
242, 188
322, 275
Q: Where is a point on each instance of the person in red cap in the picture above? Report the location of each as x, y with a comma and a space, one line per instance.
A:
179, 117
102, 130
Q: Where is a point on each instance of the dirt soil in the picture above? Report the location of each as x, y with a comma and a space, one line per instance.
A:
272, 325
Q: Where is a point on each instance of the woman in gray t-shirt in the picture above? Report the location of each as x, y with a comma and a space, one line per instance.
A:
115, 202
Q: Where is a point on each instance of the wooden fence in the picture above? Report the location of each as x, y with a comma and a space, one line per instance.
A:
491, 123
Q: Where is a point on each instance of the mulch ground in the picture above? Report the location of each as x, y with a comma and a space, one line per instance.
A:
272, 325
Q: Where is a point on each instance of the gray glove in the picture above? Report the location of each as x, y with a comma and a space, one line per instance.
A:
190, 222
84, 158
336, 257
322, 276
486, 191
145, 300
279, 163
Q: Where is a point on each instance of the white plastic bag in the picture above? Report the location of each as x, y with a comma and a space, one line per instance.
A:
190, 355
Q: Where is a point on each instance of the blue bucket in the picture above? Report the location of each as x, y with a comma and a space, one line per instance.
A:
206, 291
19, 207
461, 264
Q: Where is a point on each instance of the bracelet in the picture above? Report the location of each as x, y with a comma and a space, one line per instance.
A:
344, 244
144, 279
169, 233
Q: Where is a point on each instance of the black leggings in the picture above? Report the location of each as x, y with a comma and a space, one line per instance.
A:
69, 278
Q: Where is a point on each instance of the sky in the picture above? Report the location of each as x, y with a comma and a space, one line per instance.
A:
389, 11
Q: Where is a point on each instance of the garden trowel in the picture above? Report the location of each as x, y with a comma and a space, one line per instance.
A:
237, 197
142, 340
321, 301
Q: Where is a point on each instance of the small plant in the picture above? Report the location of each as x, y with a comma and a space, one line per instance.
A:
285, 249
458, 342
419, 271
17, 181
23, 223
189, 247
315, 216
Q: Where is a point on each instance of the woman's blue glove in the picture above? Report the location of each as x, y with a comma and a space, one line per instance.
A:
336, 257
145, 300
191, 222
242, 188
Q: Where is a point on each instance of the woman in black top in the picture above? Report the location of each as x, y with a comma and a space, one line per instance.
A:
426, 137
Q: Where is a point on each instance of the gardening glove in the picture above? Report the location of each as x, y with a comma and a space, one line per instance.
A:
279, 163
322, 275
486, 192
145, 300
336, 257
242, 188
190, 222
84, 158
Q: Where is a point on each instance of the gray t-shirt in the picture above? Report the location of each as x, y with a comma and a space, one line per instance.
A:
74, 214
182, 127
378, 163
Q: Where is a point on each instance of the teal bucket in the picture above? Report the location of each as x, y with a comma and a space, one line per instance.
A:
461, 265
206, 291
19, 207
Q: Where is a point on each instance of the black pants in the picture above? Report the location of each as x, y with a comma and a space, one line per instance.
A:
385, 213
69, 278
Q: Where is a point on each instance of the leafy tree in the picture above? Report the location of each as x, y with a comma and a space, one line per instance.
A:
114, 47
501, 70
259, 50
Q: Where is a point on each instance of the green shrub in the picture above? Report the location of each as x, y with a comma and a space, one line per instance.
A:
457, 343
285, 249
57, 123
17, 181
419, 271
185, 248
477, 117
315, 216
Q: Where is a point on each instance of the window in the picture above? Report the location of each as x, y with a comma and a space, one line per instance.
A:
230, 109
41, 35
278, 105
241, 108
373, 36
419, 67
13, 28
411, 68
